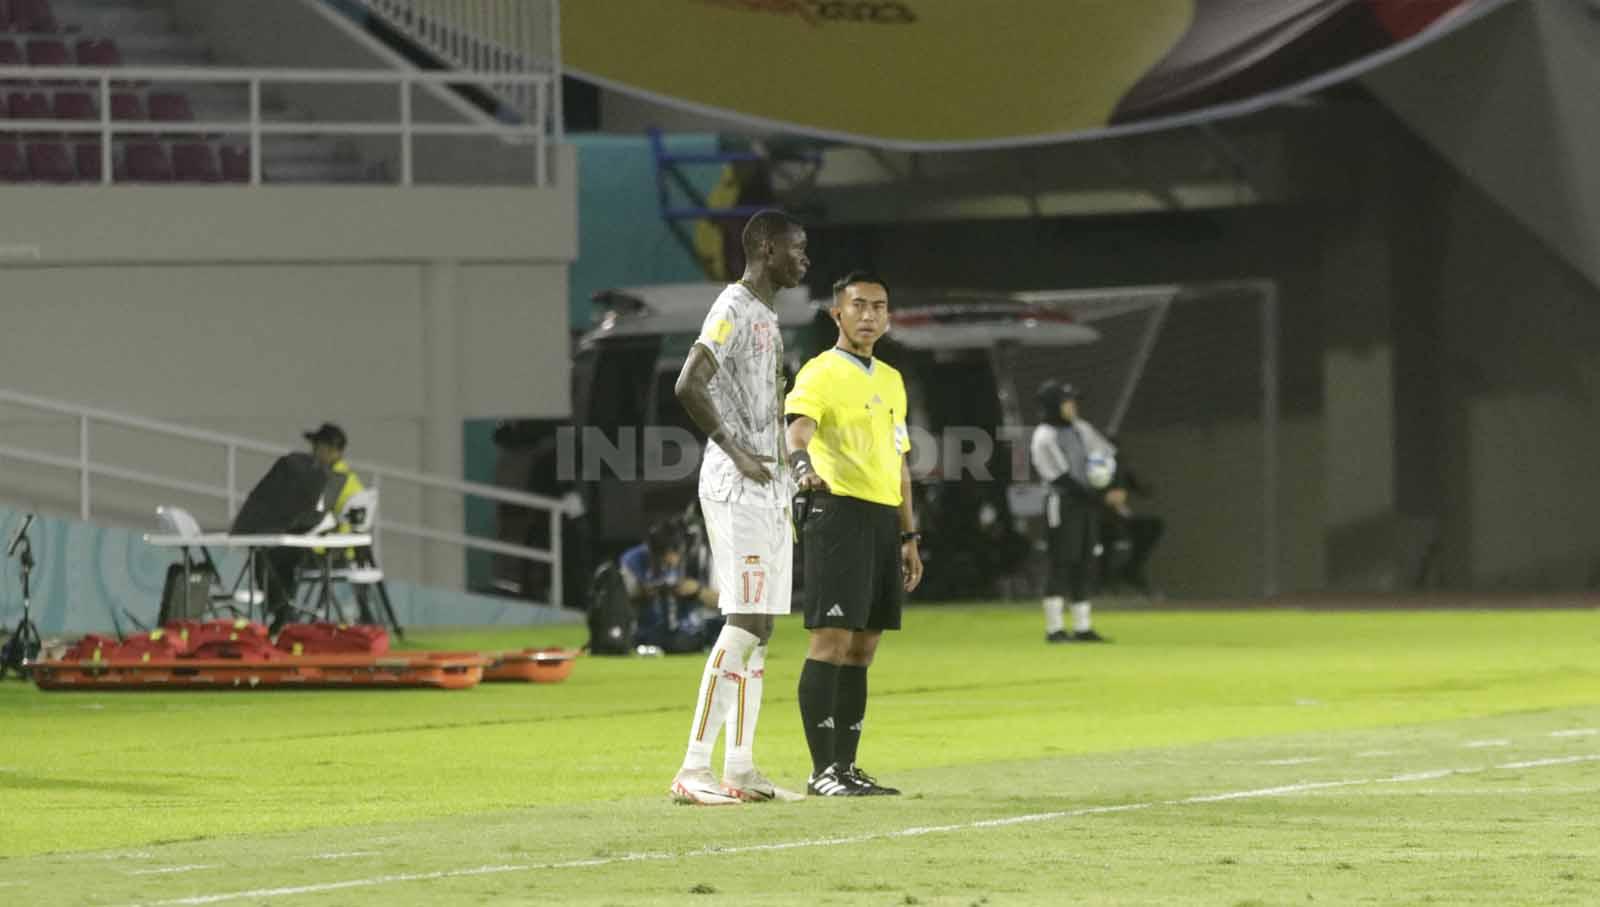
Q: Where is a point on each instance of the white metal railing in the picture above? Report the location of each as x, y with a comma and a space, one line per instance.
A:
505, 40
403, 126
231, 446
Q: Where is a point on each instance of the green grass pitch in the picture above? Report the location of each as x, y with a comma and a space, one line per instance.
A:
1209, 758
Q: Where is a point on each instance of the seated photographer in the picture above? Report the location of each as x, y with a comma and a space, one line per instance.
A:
667, 602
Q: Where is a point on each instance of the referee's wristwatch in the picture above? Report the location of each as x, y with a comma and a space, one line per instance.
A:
910, 537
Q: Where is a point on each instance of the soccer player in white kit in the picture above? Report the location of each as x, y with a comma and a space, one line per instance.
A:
732, 385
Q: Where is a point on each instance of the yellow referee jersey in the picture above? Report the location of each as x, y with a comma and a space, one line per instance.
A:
860, 411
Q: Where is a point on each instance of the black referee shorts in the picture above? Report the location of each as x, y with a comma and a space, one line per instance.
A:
851, 549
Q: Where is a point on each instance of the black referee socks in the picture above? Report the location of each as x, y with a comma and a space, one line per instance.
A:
819, 689
849, 710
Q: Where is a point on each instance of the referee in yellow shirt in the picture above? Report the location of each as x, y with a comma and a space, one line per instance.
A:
847, 446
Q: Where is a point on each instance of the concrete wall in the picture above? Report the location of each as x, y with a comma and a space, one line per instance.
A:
399, 313
1512, 104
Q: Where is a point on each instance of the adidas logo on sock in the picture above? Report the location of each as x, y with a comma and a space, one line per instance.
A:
835, 611
857, 726
826, 722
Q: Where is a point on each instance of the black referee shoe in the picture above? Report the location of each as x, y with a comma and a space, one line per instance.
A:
1058, 636
834, 781
869, 785
1088, 636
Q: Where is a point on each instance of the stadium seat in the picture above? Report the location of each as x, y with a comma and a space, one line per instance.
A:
87, 157
29, 105
98, 52
12, 170
48, 163
48, 52
170, 107
126, 106
195, 162
33, 17
147, 162
10, 53
235, 164
75, 105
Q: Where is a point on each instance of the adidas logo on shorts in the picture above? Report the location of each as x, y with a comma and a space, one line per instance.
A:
835, 611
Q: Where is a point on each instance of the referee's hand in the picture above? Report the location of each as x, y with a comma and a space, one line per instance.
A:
910, 565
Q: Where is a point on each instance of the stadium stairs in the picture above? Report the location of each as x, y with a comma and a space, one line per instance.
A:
133, 33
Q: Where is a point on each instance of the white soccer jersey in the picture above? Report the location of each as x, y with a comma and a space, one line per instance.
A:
742, 334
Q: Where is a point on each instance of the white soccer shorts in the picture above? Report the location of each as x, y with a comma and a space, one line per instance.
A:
752, 556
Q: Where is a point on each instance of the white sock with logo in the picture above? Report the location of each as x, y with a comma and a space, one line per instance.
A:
1054, 606
719, 691
1080, 617
739, 752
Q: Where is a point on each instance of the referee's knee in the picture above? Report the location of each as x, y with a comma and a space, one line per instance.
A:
829, 644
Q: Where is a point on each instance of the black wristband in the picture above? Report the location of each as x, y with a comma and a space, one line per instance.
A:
910, 537
800, 462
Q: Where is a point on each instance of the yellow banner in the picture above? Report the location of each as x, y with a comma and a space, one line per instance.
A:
910, 72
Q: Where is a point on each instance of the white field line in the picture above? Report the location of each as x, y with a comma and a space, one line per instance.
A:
347, 855
1004, 822
1481, 744
1576, 732
167, 870
1297, 760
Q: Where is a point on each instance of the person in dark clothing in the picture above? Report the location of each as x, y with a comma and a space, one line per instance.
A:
667, 601
1078, 464
1129, 535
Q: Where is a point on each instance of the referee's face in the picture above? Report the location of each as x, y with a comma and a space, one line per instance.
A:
862, 310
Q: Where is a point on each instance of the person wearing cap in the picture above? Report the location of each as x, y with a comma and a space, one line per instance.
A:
328, 442
1077, 464
667, 600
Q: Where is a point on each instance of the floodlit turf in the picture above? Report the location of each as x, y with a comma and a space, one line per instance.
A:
1440, 757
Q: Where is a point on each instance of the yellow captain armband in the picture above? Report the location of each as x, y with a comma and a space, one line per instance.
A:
721, 331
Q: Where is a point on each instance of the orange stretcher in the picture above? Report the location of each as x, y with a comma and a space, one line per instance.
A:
530, 666
439, 670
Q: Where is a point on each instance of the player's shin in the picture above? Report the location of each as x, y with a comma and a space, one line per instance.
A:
719, 691
739, 755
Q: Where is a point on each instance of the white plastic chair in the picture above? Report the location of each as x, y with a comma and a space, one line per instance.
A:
362, 572
180, 522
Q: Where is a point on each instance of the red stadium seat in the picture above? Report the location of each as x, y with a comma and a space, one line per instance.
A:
98, 52
12, 170
31, 105
195, 162
235, 164
48, 163
87, 157
33, 16
147, 162
126, 107
10, 55
170, 107
75, 105
48, 52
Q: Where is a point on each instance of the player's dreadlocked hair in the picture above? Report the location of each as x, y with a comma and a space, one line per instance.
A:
762, 226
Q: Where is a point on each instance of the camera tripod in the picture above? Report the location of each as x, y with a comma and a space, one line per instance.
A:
23, 647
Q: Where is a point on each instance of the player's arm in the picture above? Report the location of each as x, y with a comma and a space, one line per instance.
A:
801, 429
910, 556
693, 390
1051, 464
